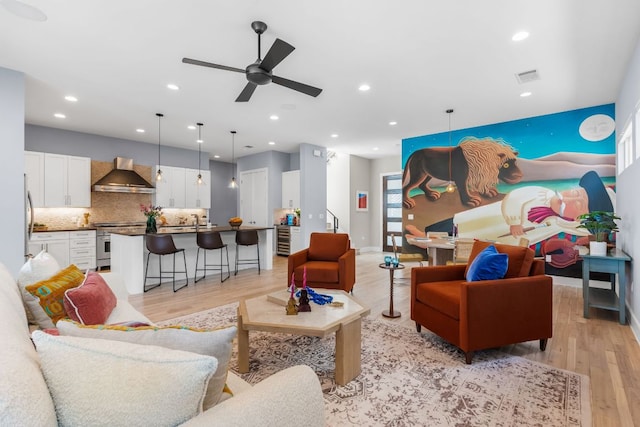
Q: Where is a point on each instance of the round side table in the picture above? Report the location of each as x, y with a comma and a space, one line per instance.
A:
391, 313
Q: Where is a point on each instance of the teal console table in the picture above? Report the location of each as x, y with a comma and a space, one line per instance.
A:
613, 263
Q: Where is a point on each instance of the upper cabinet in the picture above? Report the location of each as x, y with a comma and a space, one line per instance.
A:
56, 180
34, 169
170, 190
178, 188
198, 195
291, 189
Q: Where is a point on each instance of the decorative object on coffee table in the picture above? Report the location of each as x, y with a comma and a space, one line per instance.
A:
292, 309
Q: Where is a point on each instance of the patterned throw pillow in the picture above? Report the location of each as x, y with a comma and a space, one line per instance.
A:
50, 292
211, 342
98, 382
38, 268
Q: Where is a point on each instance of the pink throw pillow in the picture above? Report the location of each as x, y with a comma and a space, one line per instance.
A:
92, 302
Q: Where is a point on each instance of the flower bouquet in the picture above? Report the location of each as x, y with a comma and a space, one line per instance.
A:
151, 212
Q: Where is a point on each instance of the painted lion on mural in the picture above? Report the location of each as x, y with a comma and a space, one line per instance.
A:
477, 165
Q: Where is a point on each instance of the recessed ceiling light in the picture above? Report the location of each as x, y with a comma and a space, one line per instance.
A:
334, 135
274, 117
215, 156
272, 143
140, 130
59, 116
519, 36
191, 127
375, 148
393, 123
173, 87
71, 98
525, 94
364, 87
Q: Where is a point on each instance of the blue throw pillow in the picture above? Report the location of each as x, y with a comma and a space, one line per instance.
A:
488, 265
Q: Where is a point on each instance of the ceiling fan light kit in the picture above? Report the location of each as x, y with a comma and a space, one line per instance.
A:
233, 184
260, 71
199, 180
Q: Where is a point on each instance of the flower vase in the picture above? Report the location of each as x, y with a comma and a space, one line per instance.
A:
151, 225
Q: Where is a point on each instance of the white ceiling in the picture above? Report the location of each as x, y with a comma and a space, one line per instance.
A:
420, 57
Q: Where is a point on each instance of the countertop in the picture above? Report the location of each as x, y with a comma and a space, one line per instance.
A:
189, 229
54, 229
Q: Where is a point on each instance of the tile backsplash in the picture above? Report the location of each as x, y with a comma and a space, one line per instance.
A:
112, 207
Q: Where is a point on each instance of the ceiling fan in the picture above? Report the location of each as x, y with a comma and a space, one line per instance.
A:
260, 72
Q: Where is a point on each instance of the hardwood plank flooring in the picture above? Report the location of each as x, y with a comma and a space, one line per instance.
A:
598, 347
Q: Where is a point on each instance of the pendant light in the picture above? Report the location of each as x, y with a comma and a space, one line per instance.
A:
199, 181
233, 183
159, 173
451, 187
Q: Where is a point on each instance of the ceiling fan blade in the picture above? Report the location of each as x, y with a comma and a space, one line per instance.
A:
300, 87
246, 93
210, 65
279, 50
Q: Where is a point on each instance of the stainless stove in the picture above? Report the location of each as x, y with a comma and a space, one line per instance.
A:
103, 238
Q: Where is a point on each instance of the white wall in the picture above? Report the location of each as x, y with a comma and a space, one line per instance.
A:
12, 203
338, 191
380, 167
359, 229
627, 200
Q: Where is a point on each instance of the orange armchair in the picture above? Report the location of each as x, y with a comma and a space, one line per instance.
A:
329, 260
489, 313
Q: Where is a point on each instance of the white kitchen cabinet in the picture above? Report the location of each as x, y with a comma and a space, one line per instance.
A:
67, 247
34, 169
56, 243
67, 181
253, 191
82, 249
197, 196
170, 191
295, 244
291, 189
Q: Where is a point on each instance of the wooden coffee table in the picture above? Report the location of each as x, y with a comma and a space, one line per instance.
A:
267, 313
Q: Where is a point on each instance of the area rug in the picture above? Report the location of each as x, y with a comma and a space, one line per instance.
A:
411, 379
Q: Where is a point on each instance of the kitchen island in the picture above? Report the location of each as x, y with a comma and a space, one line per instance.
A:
129, 253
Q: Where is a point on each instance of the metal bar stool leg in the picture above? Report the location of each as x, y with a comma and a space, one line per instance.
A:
184, 271
228, 272
146, 270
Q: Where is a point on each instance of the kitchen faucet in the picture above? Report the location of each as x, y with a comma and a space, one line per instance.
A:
197, 221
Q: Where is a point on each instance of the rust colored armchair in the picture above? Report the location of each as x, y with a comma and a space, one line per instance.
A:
330, 262
487, 313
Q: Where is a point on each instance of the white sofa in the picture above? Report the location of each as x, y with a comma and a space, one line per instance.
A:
292, 397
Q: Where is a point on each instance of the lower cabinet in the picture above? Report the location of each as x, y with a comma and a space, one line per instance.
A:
67, 247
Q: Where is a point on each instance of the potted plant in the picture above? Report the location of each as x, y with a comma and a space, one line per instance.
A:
600, 224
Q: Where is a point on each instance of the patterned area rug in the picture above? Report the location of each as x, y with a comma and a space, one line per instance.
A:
411, 379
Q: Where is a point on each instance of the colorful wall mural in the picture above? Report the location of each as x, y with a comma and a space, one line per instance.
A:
523, 179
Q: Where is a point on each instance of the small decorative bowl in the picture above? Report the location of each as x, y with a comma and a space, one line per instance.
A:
235, 224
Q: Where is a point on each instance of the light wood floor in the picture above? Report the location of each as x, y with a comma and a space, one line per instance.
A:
598, 347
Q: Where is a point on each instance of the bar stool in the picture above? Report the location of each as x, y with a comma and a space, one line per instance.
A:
210, 240
162, 244
247, 238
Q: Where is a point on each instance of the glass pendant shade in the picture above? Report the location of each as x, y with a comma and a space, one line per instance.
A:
159, 173
451, 187
233, 184
199, 180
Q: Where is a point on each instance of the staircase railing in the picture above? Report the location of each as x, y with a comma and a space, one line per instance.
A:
335, 221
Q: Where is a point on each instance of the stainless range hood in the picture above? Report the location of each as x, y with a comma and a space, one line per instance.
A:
123, 179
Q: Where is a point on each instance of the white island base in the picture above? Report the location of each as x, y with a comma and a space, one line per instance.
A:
129, 256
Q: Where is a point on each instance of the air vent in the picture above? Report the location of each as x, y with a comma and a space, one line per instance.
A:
527, 76
248, 146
